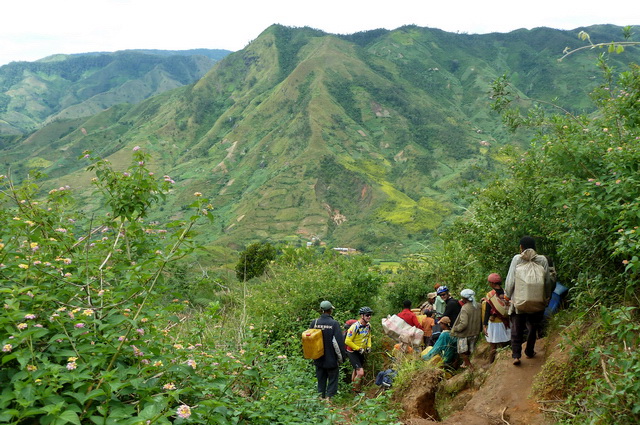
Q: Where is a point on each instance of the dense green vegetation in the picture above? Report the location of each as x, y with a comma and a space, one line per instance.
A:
95, 330
576, 191
107, 317
254, 260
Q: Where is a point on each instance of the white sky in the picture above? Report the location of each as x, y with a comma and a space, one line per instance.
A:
33, 29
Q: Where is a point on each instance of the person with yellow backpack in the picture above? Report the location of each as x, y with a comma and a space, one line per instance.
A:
495, 322
327, 366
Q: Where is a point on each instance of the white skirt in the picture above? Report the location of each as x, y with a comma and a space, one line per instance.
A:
497, 332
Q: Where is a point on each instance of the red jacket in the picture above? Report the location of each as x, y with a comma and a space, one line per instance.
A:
409, 316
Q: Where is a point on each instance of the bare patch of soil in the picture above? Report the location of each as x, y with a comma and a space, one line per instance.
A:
496, 394
419, 401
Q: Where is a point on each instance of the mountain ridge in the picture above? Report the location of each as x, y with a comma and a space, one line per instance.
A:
305, 134
71, 86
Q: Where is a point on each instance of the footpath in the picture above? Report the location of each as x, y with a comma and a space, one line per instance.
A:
494, 394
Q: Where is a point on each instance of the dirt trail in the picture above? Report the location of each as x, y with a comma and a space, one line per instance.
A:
505, 386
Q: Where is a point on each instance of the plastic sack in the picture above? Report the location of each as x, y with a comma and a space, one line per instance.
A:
394, 326
412, 336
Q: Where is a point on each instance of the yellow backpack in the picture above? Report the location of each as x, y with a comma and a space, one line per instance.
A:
312, 343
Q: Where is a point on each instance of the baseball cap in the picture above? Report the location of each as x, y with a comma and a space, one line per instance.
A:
326, 305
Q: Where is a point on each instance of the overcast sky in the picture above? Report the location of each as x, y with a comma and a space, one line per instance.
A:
33, 29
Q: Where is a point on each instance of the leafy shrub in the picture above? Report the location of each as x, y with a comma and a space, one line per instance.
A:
450, 263
87, 335
301, 278
83, 340
254, 260
575, 191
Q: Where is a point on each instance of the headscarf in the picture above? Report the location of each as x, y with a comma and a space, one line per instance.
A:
469, 295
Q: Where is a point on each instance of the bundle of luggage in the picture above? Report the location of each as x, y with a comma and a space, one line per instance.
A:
401, 331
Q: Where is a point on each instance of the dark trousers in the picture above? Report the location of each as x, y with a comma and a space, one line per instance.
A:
519, 322
327, 381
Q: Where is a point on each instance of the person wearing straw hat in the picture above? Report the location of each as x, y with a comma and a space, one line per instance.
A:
446, 345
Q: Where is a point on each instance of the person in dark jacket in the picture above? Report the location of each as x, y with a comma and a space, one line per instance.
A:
452, 306
327, 366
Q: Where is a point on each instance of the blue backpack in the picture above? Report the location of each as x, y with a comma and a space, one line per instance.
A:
385, 378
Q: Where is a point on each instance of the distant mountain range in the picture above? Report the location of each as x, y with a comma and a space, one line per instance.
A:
363, 140
80, 85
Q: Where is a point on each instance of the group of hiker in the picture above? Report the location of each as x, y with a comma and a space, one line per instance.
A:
505, 314
451, 327
338, 346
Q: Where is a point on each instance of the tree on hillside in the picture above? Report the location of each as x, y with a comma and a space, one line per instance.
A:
254, 260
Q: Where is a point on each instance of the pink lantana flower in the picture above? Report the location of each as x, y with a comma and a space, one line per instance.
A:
183, 411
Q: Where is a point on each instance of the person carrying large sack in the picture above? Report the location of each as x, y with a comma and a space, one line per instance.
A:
528, 287
327, 366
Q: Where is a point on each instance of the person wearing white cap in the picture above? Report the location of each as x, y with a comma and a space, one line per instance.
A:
327, 366
467, 326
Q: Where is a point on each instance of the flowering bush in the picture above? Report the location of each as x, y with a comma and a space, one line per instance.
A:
81, 335
87, 334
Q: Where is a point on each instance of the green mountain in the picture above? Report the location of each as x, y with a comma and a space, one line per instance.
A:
71, 86
362, 140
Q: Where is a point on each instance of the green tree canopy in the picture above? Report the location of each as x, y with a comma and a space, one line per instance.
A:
254, 260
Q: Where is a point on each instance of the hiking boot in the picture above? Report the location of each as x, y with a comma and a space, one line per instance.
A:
516, 362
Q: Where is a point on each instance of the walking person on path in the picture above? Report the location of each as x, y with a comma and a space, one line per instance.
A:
358, 342
467, 326
327, 366
533, 317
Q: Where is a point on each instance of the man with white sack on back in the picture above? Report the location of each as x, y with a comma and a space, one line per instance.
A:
528, 286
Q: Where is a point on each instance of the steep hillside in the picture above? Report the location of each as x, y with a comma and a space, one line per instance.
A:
362, 140
71, 86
